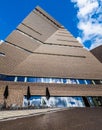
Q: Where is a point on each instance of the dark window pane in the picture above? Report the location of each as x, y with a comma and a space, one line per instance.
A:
97, 82
20, 79
64, 80
90, 100
81, 81
31, 79
9, 78
89, 81
2, 77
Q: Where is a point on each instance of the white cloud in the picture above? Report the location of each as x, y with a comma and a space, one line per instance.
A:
87, 8
1, 41
97, 42
90, 21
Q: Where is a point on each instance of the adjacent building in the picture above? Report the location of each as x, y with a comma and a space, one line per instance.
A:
41, 53
97, 52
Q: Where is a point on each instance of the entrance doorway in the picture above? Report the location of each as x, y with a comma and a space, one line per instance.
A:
97, 101
86, 101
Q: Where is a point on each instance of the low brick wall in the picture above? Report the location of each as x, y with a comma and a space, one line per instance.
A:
18, 90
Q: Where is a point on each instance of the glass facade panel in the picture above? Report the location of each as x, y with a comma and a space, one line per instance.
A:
57, 80
61, 102
38, 80
97, 101
97, 81
68, 81
81, 81
8, 78
73, 81
20, 79
2, 77
48, 80
34, 101
64, 81
89, 81
80, 101
31, 79
90, 100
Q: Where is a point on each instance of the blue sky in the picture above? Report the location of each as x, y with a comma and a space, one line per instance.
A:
83, 18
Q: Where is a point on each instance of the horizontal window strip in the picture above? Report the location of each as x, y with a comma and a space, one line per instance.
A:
49, 80
2, 54
31, 28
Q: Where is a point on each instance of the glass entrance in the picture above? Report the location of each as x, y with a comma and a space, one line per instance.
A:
97, 101
86, 102
61, 102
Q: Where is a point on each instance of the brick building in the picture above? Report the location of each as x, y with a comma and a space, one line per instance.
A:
97, 52
41, 53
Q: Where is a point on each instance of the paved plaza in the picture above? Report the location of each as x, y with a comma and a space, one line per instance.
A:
14, 114
65, 119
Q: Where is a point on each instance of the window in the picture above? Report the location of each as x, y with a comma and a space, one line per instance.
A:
81, 81
90, 100
58, 80
68, 81
89, 81
9, 78
46, 80
31, 79
38, 80
49, 80
20, 79
73, 81
2, 77
64, 81
97, 81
